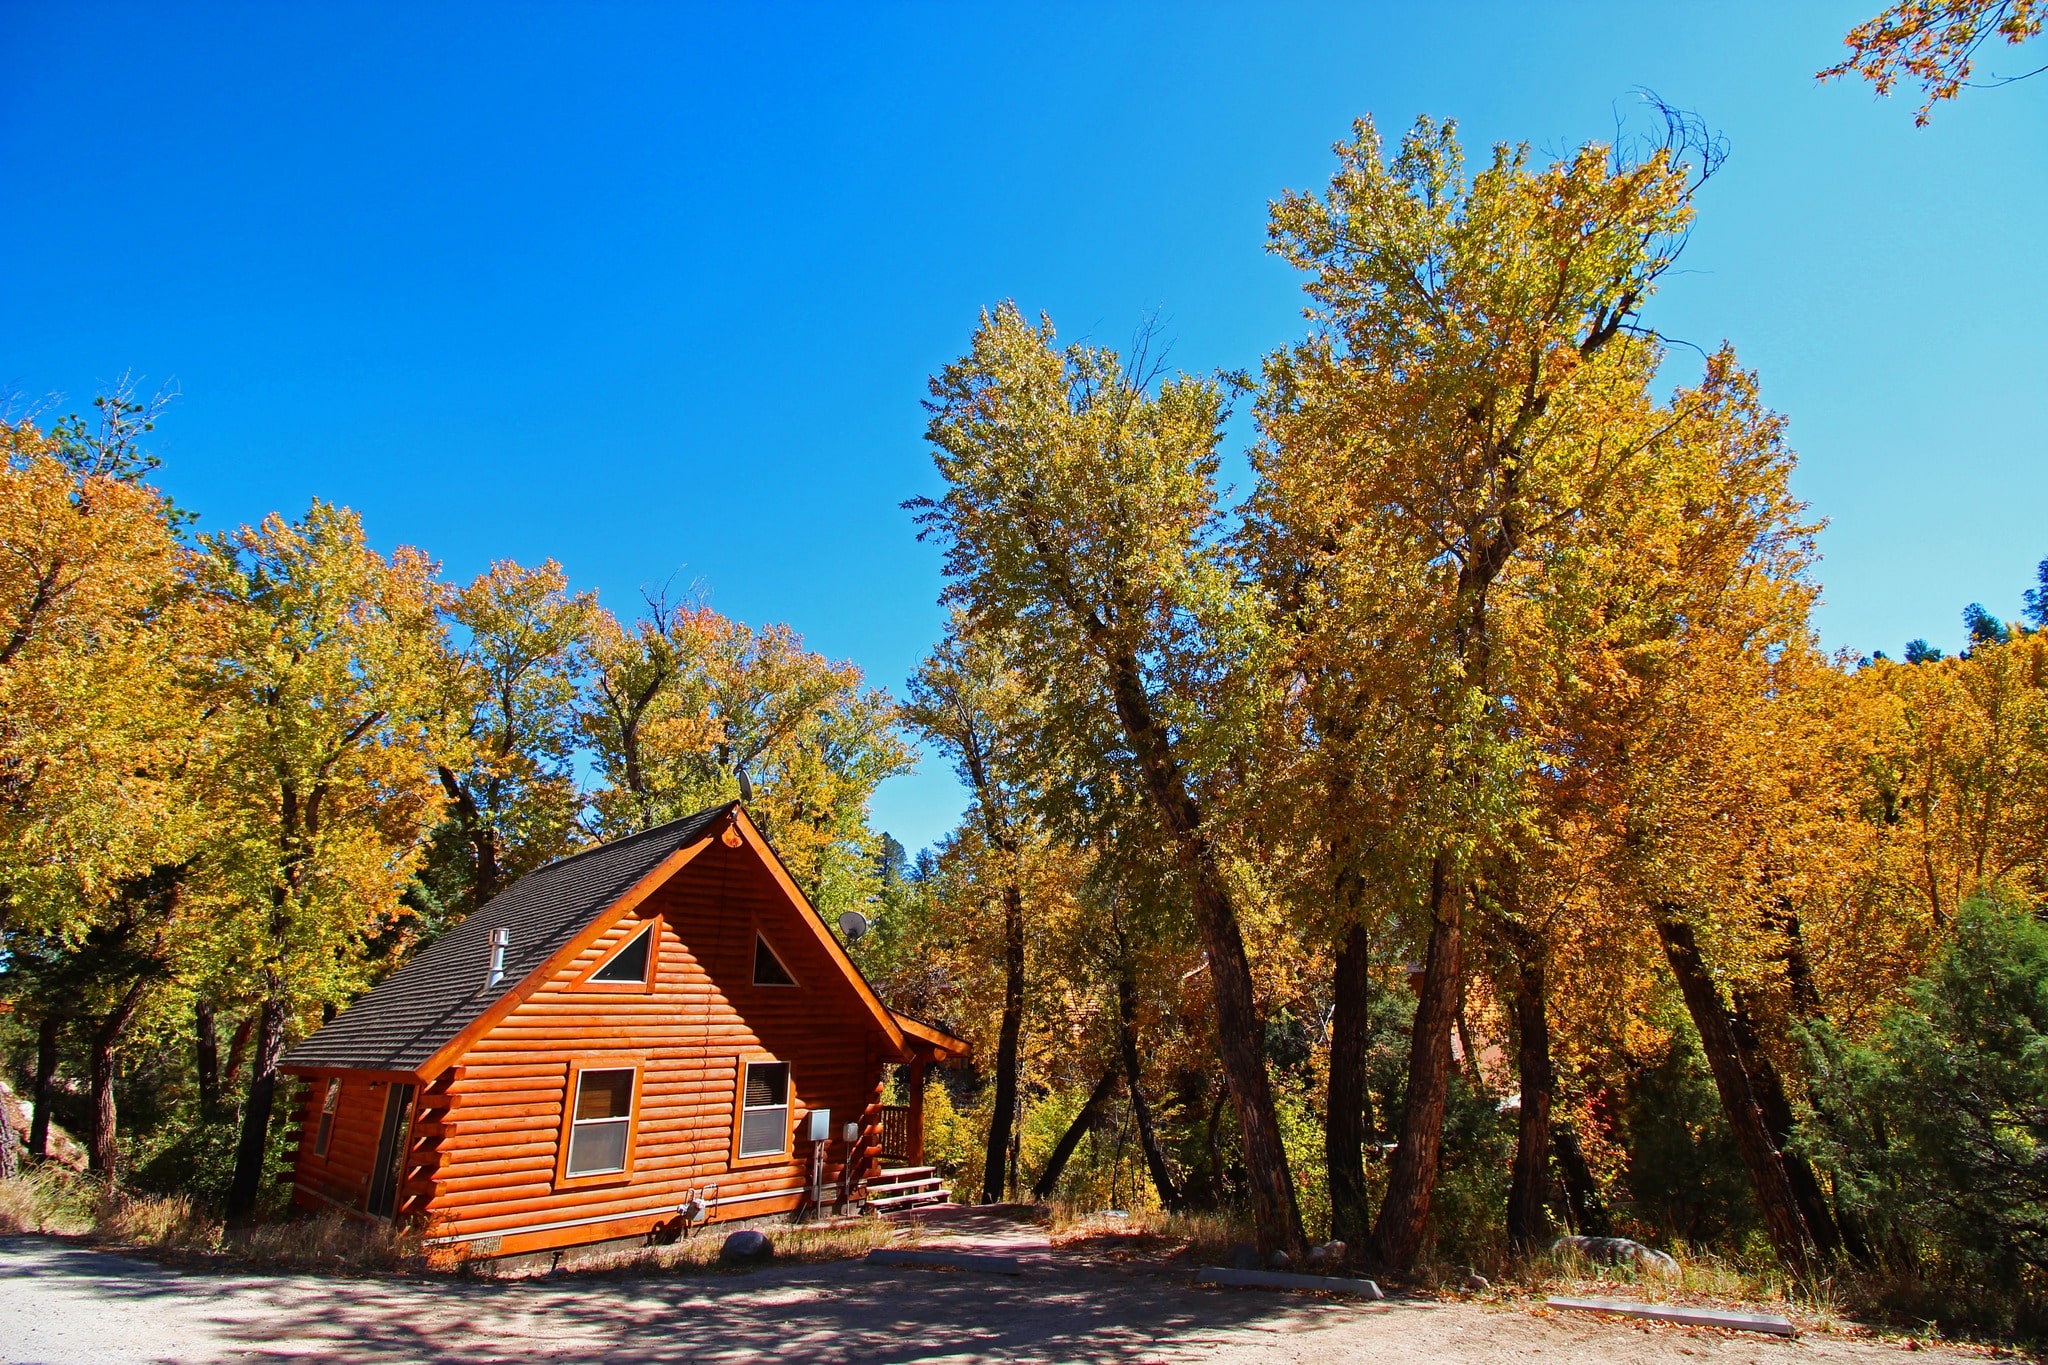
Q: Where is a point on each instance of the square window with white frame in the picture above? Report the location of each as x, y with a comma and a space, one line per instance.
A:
602, 1121
764, 1109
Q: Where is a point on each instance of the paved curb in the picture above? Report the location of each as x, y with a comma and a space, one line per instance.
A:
1280, 1279
1679, 1313
947, 1260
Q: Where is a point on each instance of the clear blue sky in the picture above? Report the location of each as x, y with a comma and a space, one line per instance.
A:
654, 290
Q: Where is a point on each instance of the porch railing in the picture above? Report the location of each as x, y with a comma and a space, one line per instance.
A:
896, 1132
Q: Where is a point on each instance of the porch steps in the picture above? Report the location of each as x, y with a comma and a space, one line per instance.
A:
906, 1187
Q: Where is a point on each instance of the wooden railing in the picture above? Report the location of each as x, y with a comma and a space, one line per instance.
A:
896, 1132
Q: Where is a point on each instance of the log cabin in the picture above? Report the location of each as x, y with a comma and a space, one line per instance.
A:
651, 1035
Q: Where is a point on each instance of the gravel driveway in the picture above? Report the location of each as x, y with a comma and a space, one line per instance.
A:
62, 1303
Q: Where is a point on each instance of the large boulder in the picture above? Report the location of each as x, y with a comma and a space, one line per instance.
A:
1618, 1251
746, 1246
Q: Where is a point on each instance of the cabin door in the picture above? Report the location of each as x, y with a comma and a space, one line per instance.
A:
389, 1173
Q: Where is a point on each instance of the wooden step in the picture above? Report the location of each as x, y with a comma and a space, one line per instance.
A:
913, 1200
906, 1172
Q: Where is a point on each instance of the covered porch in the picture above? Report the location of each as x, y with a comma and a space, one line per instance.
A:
905, 1181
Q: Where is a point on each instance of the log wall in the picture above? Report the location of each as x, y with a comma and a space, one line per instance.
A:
486, 1146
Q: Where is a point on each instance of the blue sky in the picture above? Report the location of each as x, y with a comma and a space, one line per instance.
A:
654, 290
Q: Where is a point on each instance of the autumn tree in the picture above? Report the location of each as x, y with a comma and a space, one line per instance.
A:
1078, 520
966, 700
100, 734
1446, 424
683, 702
506, 761
325, 689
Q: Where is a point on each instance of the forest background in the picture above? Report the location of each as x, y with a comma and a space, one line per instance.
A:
1456, 837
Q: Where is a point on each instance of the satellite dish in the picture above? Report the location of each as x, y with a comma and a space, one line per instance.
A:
746, 786
854, 925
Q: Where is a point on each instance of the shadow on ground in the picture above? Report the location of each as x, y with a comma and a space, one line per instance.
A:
77, 1303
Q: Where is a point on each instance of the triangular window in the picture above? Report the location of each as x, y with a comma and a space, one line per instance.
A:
768, 968
628, 965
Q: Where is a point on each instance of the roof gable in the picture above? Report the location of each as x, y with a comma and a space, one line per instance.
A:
418, 1019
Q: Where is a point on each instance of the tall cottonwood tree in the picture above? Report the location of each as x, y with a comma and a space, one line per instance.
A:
1078, 520
506, 756
686, 699
326, 689
979, 712
102, 738
1447, 424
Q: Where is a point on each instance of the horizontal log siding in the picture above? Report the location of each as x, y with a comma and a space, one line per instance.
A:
343, 1175
493, 1130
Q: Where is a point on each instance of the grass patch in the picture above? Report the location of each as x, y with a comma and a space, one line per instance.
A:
1203, 1237
799, 1244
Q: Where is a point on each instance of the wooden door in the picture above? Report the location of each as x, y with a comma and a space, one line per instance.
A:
389, 1172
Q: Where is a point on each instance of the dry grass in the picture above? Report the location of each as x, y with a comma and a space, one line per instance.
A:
58, 1202
801, 1244
1702, 1278
53, 1199
1148, 1234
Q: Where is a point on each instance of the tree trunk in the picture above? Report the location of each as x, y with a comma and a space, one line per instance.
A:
1529, 1192
1806, 1006
1240, 1031
1411, 1179
1346, 1123
103, 1153
10, 1156
1768, 1177
237, 1046
1769, 1088
1004, 1119
247, 1184
206, 1059
483, 843
1581, 1192
1148, 1138
1049, 1178
47, 1030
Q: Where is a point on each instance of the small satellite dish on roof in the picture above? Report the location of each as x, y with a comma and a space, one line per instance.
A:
854, 925
746, 785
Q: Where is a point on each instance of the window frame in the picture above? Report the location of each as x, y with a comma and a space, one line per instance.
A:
566, 1132
742, 1064
330, 1108
652, 926
761, 940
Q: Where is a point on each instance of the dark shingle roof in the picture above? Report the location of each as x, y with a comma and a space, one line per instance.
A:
412, 1013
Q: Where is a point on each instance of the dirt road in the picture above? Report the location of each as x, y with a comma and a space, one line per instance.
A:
61, 1303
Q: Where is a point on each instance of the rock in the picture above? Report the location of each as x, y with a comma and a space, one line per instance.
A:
1243, 1256
1326, 1254
1474, 1282
748, 1244
1279, 1260
1618, 1251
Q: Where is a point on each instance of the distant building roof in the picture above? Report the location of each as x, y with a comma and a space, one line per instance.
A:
413, 1013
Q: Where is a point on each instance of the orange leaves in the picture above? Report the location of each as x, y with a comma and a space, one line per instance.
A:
1935, 42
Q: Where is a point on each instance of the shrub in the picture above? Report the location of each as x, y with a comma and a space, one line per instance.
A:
1936, 1129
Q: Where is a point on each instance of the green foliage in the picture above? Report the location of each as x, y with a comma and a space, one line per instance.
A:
1468, 1212
1685, 1179
1936, 1128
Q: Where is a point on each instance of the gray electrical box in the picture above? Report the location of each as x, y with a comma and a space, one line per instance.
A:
821, 1125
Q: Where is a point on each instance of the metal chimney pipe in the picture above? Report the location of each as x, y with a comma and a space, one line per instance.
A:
501, 939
